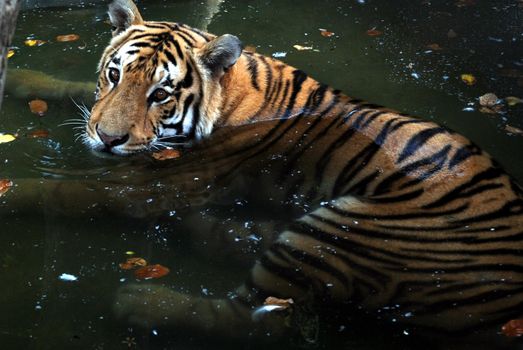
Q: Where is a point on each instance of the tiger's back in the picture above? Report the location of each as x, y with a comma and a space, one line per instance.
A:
394, 210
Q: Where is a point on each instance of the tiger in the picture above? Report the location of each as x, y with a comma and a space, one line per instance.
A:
394, 213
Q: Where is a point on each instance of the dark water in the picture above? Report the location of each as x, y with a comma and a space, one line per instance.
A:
396, 69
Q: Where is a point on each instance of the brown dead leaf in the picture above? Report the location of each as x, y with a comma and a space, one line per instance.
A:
374, 32
165, 154
250, 48
488, 100
132, 263
284, 303
325, 33
67, 37
513, 328
38, 107
39, 133
4, 186
151, 271
513, 130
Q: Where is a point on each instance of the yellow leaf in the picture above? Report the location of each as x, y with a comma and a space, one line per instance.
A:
468, 79
513, 100
10, 53
129, 252
34, 42
302, 48
5, 138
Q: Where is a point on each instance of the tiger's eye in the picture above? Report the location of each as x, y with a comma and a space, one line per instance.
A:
159, 95
114, 75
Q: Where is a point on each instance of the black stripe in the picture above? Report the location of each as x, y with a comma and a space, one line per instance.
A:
252, 67
170, 57
186, 104
487, 175
178, 49
463, 154
297, 82
419, 140
435, 160
187, 80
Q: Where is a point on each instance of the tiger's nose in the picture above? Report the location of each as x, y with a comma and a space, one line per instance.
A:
111, 141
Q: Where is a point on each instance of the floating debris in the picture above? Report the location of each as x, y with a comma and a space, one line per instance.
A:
325, 33
68, 277
5, 185
468, 79
488, 100
166, 154
5, 138
151, 271
34, 42
67, 37
132, 263
279, 54
513, 328
374, 32
39, 133
38, 107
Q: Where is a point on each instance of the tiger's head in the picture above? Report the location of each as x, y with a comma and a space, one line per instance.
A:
159, 83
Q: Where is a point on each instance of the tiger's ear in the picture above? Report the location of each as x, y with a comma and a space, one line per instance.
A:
123, 14
221, 53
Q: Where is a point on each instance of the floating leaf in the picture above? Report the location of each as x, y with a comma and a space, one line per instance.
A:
513, 328
129, 252
5, 138
151, 271
10, 53
250, 48
434, 47
374, 32
513, 100
468, 79
165, 154
34, 42
5, 185
39, 133
325, 33
302, 48
67, 37
488, 100
513, 130
132, 263
497, 109
38, 107
283, 303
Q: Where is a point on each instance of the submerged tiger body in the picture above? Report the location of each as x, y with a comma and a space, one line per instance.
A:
393, 210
